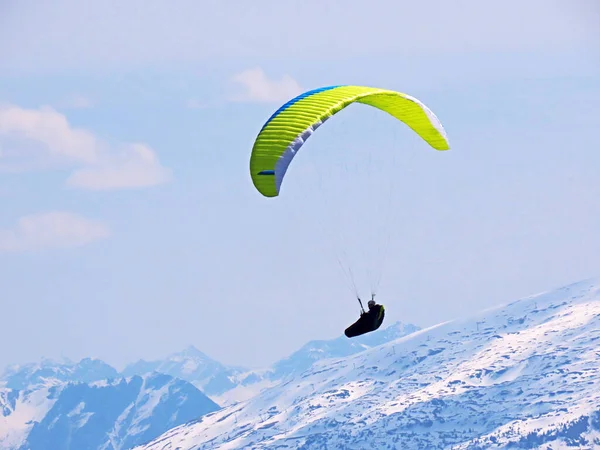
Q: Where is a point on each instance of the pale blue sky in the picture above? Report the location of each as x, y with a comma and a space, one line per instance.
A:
144, 234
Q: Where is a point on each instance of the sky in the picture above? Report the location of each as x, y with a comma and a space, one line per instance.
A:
129, 225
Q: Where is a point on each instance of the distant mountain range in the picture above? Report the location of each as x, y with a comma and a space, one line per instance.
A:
90, 405
228, 384
111, 414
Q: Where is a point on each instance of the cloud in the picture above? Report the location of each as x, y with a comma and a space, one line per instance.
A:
51, 230
136, 166
42, 138
258, 88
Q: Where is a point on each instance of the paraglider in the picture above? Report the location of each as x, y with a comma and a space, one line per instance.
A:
286, 131
368, 321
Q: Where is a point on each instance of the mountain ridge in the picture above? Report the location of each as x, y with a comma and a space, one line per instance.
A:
105, 414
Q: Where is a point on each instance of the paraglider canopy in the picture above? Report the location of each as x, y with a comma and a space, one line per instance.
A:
293, 123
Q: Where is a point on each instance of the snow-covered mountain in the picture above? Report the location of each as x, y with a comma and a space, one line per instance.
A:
28, 375
231, 384
102, 415
313, 351
250, 383
212, 377
65, 403
521, 375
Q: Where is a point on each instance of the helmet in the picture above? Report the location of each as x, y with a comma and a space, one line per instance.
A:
371, 303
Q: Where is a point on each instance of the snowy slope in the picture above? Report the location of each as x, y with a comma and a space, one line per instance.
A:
104, 415
251, 383
313, 351
522, 375
19, 410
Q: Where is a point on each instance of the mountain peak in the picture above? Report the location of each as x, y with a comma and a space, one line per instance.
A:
192, 365
192, 352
